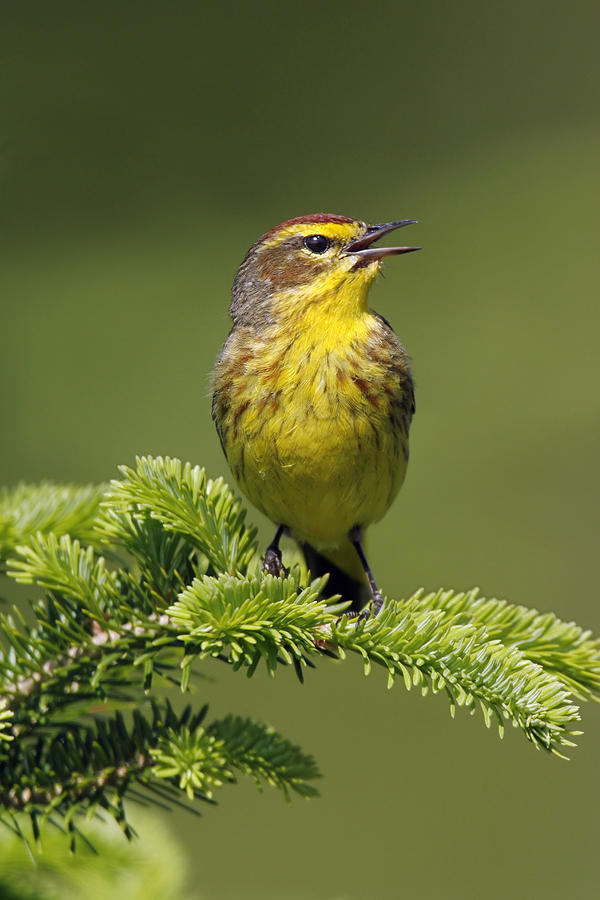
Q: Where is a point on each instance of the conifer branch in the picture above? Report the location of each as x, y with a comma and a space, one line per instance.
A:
174, 587
559, 647
57, 508
6, 716
205, 512
87, 768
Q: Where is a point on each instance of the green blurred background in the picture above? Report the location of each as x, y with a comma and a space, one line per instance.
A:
144, 147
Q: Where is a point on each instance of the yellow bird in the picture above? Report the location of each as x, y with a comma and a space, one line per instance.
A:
313, 394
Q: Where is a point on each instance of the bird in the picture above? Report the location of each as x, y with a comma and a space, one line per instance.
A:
313, 395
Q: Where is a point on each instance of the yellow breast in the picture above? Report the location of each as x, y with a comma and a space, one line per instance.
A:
315, 425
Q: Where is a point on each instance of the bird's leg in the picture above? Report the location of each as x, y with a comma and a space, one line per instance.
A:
272, 563
355, 537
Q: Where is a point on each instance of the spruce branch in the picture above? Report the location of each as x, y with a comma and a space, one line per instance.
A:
559, 647
89, 636
168, 579
252, 619
88, 768
63, 568
47, 507
6, 716
203, 758
429, 649
205, 512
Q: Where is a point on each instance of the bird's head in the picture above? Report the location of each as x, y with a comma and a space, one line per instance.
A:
321, 261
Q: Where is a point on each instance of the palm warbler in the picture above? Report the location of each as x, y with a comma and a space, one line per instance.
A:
313, 395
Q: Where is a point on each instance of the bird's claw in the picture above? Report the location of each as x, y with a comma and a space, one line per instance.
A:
273, 565
370, 611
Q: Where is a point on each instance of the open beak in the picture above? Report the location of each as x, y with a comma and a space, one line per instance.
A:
362, 248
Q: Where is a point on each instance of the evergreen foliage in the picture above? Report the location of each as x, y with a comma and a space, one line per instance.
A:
47, 507
154, 868
145, 578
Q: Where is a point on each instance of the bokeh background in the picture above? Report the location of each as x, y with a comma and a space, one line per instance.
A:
144, 147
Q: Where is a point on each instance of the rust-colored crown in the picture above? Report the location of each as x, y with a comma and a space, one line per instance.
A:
317, 218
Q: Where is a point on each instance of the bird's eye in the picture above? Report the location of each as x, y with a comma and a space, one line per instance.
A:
317, 243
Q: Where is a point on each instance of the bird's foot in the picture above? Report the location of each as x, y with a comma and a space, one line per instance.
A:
273, 565
370, 611
377, 602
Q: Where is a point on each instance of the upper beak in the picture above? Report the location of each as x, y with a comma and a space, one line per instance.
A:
362, 248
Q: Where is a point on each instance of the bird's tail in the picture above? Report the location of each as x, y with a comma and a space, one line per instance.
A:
346, 575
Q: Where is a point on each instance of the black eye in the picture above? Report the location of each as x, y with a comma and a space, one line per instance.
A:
317, 243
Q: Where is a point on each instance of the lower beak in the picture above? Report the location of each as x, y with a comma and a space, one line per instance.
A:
362, 248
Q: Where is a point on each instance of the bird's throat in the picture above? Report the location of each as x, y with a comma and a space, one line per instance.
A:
328, 309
